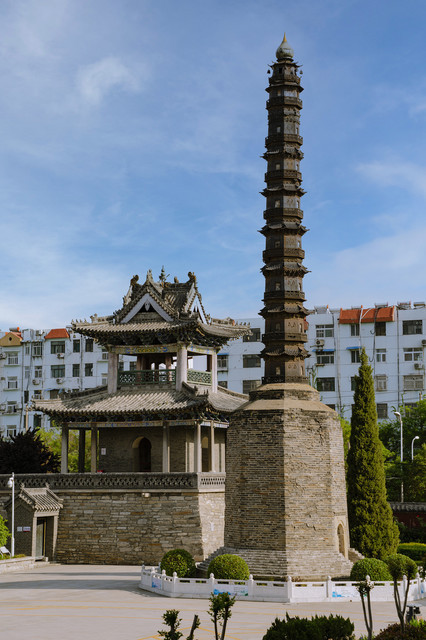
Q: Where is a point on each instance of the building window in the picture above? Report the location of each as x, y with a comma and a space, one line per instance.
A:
57, 371
249, 385
12, 383
37, 421
354, 329
355, 356
326, 384
75, 370
38, 372
222, 362
413, 354
413, 383
412, 327
12, 357
26, 372
120, 365
26, 396
324, 331
353, 383
381, 355
54, 394
251, 360
76, 346
37, 394
88, 369
382, 410
104, 381
254, 337
37, 349
11, 407
380, 328
11, 430
132, 366
325, 357
27, 349
89, 344
381, 383
223, 384
57, 346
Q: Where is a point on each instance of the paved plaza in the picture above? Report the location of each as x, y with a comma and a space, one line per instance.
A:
89, 602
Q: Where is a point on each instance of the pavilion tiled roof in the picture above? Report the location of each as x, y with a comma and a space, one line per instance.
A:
140, 401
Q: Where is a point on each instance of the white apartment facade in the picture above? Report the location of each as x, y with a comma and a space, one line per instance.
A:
42, 364
394, 338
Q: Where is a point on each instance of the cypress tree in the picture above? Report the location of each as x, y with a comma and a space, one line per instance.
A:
373, 531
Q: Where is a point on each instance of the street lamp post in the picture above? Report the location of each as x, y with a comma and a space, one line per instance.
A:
412, 446
11, 485
398, 415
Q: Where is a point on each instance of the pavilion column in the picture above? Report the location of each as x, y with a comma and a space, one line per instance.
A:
93, 449
139, 362
197, 448
112, 372
181, 367
214, 371
81, 449
166, 448
212, 448
64, 449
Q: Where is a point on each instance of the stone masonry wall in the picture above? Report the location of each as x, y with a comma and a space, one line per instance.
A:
285, 482
125, 528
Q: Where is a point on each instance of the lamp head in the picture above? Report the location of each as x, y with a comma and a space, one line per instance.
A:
397, 414
10, 483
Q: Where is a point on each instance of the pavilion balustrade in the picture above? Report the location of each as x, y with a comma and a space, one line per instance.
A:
161, 377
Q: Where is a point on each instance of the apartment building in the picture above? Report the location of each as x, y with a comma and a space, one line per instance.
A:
42, 364
394, 338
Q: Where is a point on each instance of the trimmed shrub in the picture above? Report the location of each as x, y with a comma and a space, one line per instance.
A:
416, 631
229, 567
4, 532
414, 550
178, 560
376, 569
318, 628
400, 565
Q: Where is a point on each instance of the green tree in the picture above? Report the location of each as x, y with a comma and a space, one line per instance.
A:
4, 532
399, 566
414, 424
372, 529
52, 438
26, 453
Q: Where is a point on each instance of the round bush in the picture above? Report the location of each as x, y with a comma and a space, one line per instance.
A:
412, 632
376, 569
178, 560
229, 567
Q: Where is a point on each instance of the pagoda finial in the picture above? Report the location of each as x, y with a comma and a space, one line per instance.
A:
284, 50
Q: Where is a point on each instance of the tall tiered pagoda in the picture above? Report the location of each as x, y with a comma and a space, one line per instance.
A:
285, 480
284, 313
164, 415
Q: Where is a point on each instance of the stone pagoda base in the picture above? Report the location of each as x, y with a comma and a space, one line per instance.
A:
285, 490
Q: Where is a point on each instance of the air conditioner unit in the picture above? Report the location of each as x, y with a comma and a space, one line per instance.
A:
319, 342
3, 356
423, 343
39, 332
419, 365
59, 380
36, 381
60, 355
2, 407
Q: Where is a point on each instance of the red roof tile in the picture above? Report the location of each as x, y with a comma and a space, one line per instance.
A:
381, 314
54, 334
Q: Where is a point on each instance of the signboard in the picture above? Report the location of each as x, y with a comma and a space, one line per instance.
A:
239, 590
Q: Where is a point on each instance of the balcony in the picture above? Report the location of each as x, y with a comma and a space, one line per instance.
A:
165, 377
279, 252
279, 214
277, 101
281, 138
162, 377
281, 174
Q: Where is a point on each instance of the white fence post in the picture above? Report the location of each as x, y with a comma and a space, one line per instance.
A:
250, 585
163, 579
289, 588
329, 588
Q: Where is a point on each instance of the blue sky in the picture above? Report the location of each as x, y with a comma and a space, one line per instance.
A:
131, 136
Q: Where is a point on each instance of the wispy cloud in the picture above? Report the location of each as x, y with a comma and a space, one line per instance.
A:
393, 172
95, 81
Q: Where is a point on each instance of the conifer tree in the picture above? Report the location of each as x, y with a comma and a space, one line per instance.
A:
372, 529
